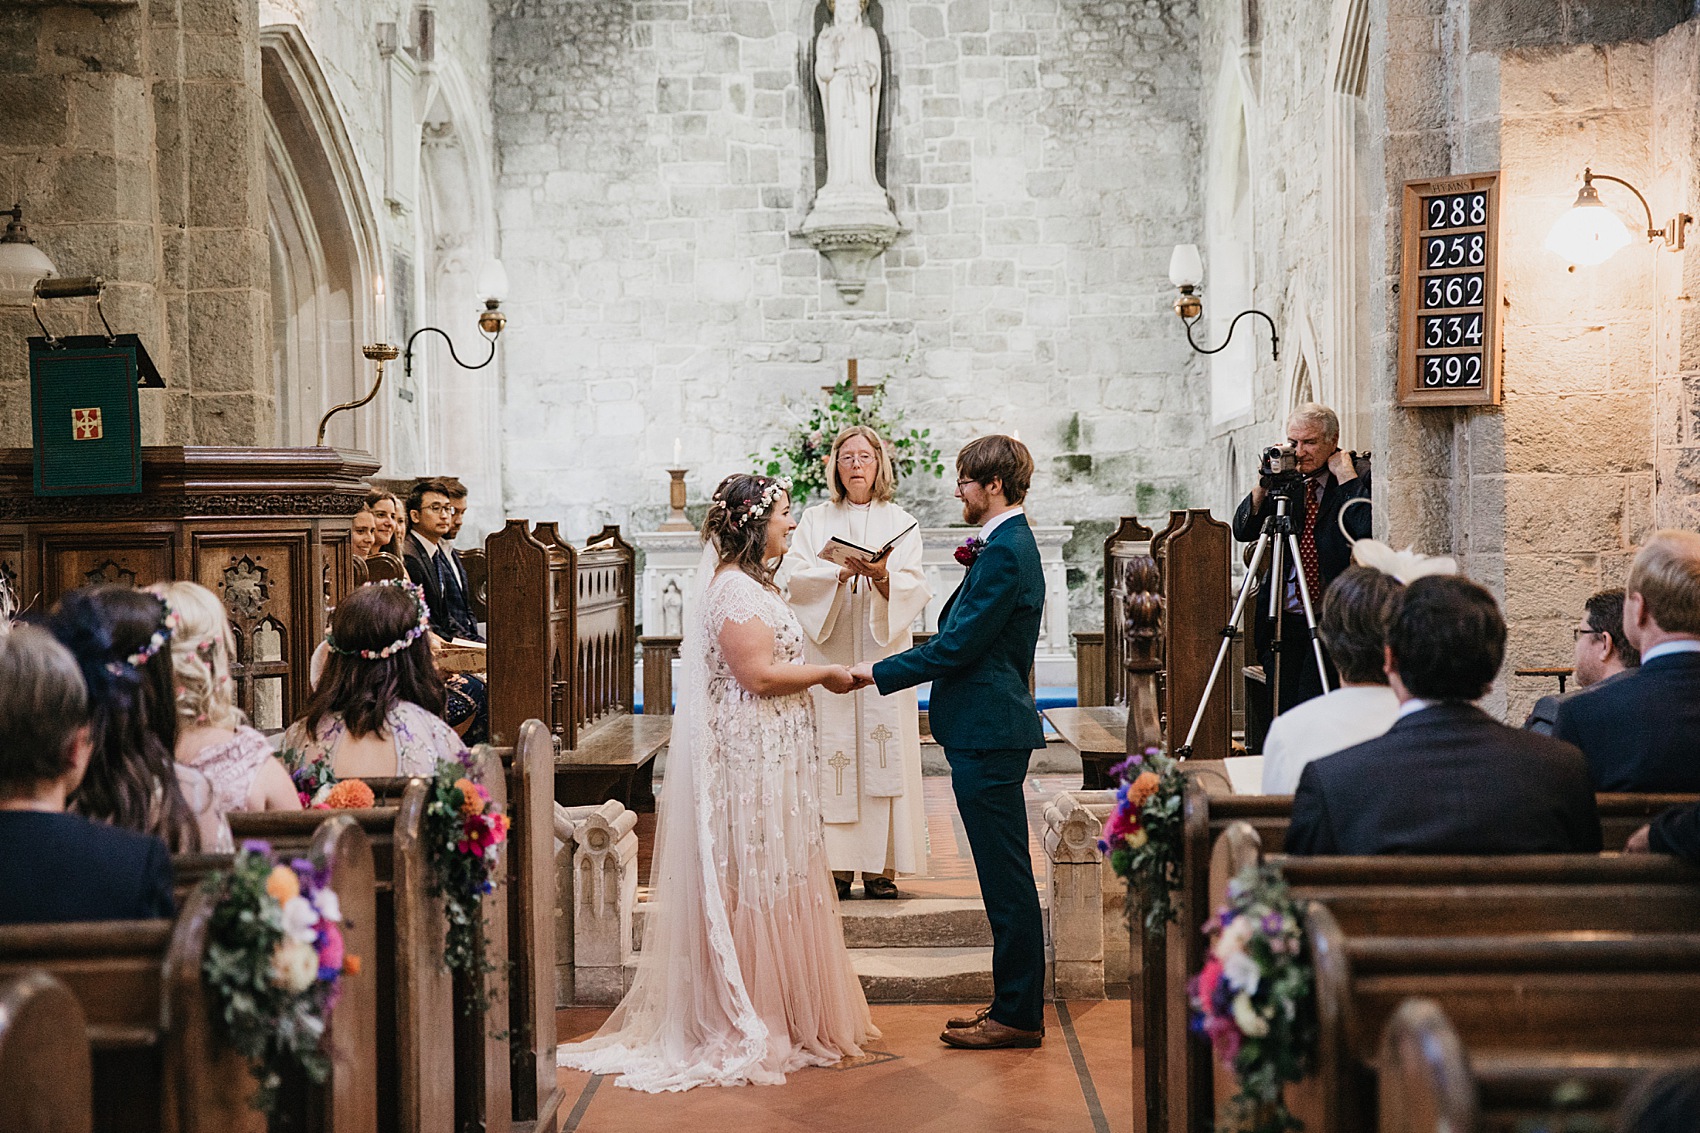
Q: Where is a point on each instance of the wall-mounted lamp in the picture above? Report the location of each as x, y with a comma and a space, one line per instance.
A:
492, 289
1186, 271
21, 262
1590, 233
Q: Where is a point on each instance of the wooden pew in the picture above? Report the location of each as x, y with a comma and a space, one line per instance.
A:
157, 1062
1177, 1060
45, 1073
1584, 994
1428, 1082
562, 649
348, 1099
531, 891
414, 1080
483, 1083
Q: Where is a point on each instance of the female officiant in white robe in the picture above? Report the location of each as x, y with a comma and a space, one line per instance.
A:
870, 745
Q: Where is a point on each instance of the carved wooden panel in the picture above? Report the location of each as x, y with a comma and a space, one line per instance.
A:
1131, 538
14, 594
130, 558
271, 596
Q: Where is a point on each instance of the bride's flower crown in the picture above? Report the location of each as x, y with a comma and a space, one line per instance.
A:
757, 508
168, 623
400, 643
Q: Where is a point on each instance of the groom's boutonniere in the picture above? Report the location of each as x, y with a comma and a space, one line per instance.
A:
970, 550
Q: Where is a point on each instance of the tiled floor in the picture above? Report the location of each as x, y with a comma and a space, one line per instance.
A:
1080, 1081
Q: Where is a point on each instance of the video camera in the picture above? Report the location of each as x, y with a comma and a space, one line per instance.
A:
1278, 471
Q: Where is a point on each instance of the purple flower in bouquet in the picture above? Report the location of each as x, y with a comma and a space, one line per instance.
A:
970, 550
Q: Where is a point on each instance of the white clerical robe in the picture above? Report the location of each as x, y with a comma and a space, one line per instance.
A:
870, 745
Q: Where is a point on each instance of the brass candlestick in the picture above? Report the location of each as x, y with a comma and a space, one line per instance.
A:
676, 520
379, 352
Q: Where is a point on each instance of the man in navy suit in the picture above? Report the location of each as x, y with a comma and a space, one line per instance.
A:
433, 564
56, 866
1446, 778
1641, 732
982, 713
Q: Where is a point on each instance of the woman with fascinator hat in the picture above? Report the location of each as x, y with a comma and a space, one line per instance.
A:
376, 710
744, 976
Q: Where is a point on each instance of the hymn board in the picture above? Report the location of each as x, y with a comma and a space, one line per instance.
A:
1449, 347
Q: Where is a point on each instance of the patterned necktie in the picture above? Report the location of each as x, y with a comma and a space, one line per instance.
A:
1307, 541
453, 600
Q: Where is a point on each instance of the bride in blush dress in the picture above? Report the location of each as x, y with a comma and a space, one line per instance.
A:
743, 976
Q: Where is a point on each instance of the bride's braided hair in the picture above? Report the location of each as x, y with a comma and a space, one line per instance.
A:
737, 522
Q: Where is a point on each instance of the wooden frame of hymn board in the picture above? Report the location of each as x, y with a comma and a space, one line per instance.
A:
1450, 307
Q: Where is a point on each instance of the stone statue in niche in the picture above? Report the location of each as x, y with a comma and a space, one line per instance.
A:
847, 70
850, 223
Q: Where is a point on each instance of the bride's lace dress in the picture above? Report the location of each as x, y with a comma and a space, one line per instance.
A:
743, 976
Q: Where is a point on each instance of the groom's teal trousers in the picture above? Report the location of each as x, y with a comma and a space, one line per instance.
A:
989, 787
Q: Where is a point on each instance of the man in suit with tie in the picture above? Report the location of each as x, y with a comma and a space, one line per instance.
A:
1331, 478
982, 713
433, 564
1446, 778
1642, 731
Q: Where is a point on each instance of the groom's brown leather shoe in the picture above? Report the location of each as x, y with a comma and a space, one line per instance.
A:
989, 1034
963, 1022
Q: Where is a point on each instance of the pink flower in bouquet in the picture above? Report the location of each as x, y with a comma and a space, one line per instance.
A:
330, 947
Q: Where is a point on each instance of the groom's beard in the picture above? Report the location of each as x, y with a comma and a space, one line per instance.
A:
973, 513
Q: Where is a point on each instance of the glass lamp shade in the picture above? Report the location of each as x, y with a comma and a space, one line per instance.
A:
493, 282
21, 264
1590, 233
1186, 266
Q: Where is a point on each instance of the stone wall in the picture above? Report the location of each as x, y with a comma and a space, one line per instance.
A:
657, 157
132, 137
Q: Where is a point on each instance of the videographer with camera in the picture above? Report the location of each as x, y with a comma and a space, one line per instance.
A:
1317, 478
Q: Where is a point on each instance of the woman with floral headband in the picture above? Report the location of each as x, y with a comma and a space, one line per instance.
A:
377, 707
121, 639
213, 736
744, 976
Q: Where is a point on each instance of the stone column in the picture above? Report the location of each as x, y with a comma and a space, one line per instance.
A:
1074, 874
597, 892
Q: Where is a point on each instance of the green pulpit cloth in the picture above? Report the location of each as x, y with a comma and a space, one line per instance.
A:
88, 433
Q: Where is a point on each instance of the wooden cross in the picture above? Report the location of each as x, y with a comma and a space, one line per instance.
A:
857, 389
838, 763
881, 735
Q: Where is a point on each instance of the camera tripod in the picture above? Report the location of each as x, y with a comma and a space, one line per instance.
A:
1277, 539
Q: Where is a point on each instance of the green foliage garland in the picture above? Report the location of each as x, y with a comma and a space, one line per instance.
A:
802, 457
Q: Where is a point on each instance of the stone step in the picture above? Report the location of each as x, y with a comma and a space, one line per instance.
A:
918, 922
924, 975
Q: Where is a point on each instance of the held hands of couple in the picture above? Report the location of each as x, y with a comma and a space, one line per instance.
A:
840, 679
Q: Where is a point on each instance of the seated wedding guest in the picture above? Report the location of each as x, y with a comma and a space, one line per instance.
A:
377, 708
457, 500
385, 506
1665, 1101
1603, 654
120, 638
432, 563
213, 736
363, 532
1641, 732
468, 711
56, 866
1353, 629
1446, 778
465, 699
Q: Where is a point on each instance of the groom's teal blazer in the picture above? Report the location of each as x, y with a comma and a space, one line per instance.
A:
980, 658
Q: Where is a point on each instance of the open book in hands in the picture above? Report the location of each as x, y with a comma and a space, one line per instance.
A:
842, 552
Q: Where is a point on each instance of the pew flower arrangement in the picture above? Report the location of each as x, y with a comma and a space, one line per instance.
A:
1142, 837
464, 833
319, 789
275, 962
1256, 999
803, 454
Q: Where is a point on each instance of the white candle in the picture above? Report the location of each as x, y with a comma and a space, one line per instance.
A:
678, 451
383, 308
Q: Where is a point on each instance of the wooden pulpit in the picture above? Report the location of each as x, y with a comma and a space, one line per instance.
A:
266, 529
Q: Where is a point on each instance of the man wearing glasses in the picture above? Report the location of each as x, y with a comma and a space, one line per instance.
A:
1603, 654
433, 564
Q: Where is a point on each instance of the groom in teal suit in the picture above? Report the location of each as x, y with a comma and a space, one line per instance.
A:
982, 713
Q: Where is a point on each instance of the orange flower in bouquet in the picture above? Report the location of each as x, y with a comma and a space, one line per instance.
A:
350, 794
